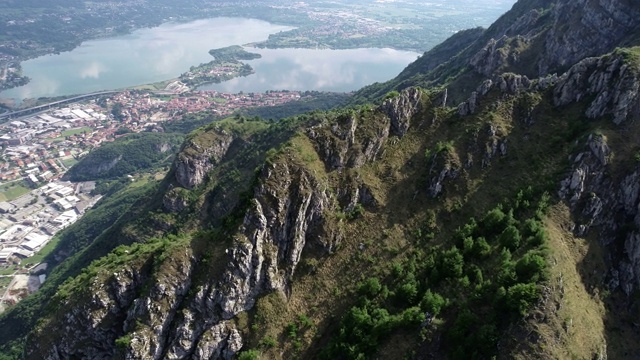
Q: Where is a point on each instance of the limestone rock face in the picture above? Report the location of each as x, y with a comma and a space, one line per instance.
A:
610, 79
175, 200
566, 33
496, 55
199, 156
103, 166
585, 28
513, 83
603, 204
152, 305
507, 83
348, 143
165, 309
469, 107
401, 109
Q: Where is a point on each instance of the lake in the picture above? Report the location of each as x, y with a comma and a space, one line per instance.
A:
164, 52
326, 70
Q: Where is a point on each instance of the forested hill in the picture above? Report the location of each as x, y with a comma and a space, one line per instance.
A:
491, 213
127, 155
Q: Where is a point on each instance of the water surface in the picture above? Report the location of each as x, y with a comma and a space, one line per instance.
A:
142, 57
164, 52
325, 70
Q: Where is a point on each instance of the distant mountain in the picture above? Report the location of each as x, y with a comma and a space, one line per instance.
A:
534, 39
491, 212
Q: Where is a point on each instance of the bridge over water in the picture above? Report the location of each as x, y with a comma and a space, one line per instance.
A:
39, 108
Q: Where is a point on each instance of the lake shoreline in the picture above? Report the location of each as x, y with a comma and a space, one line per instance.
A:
151, 58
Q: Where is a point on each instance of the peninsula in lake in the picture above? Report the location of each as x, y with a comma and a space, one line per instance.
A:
225, 66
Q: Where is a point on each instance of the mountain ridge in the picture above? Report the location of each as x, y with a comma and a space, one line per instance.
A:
399, 228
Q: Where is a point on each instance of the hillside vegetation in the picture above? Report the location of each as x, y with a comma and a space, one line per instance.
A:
127, 155
492, 213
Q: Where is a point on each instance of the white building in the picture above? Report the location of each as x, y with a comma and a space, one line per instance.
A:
15, 233
34, 241
64, 191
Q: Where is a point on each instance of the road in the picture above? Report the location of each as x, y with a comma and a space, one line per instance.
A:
45, 107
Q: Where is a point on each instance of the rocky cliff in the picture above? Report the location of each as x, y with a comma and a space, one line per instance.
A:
165, 310
283, 239
535, 39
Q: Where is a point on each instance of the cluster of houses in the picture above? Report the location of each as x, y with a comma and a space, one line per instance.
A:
36, 148
141, 110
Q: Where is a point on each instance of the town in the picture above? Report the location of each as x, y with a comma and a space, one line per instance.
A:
35, 200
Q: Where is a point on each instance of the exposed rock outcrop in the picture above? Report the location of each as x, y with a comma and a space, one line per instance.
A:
469, 107
513, 83
444, 167
199, 156
583, 28
348, 143
497, 54
175, 200
161, 321
401, 109
606, 205
570, 32
613, 83
103, 166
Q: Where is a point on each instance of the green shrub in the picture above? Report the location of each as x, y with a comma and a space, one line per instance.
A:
507, 269
356, 212
305, 322
531, 268
467, 245
123, 342
481, 248
370, 288
444, 146
432, 303
268, 342
510, 238
520, 297
391, 94
452, 264
412, 316
534, 232
493, 222
291, 330
249, 355
476, 274
407, 293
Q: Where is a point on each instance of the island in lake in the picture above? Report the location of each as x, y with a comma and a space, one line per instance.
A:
225, 66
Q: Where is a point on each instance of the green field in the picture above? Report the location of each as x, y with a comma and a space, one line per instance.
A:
69, 162
5, 281
8, 271
13, 191
77, 131
40, 255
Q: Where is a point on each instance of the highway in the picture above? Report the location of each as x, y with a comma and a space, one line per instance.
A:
35, 109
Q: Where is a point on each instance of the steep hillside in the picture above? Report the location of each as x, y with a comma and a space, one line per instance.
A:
126, 155
534, 38
357, 236
493, 215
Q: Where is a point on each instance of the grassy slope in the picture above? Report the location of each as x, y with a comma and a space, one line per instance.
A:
325, 285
